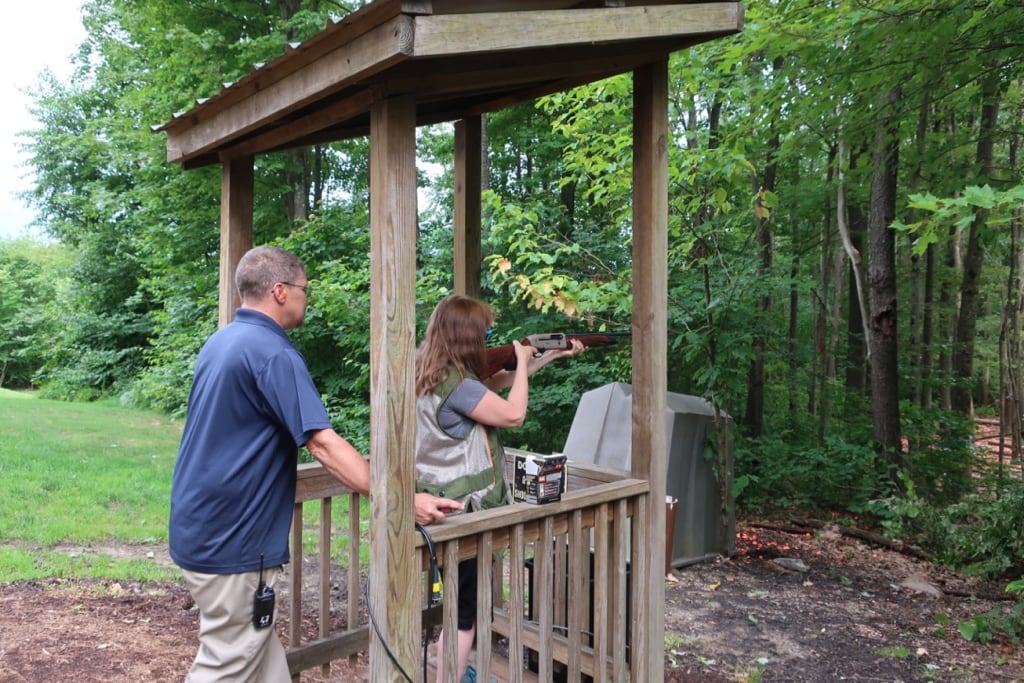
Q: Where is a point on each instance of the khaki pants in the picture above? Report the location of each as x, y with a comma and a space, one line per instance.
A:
230, 648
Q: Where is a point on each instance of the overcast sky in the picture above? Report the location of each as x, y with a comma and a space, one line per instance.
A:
39, 34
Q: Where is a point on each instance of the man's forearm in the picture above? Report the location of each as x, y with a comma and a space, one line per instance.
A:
341, 460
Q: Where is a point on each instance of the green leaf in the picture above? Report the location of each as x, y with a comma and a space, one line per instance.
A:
983, 197
968, 629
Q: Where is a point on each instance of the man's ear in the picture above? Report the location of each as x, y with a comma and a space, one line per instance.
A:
279, 292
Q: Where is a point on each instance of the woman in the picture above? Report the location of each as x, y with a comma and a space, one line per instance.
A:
458, 415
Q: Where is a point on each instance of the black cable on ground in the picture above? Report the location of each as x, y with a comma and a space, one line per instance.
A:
380, 636
435, 598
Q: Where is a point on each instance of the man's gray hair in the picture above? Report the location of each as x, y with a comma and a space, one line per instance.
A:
261, 267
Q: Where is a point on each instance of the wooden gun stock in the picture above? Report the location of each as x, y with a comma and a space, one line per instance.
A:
504, 357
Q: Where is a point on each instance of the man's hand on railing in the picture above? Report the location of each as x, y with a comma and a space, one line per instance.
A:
433, 509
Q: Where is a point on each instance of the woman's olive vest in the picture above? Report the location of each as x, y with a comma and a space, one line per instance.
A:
469, 469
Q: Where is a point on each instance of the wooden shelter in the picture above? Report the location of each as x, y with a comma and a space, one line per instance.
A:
382, 71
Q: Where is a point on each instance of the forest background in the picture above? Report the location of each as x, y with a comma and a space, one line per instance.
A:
846, 257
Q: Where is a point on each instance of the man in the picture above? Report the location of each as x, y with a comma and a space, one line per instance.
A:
252, 405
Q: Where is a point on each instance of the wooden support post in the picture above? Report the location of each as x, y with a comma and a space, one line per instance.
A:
236, 196
650, 339
394, 575
468, 184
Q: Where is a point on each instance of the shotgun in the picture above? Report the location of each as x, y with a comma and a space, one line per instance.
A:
504, 357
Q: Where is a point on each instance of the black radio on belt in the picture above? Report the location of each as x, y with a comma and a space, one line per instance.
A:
263, 603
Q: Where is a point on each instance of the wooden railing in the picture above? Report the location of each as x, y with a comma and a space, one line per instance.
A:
554, 589
314, 483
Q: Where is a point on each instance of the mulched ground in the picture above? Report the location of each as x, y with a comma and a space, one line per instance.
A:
858, 613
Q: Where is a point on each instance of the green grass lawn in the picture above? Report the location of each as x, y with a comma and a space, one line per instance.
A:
82, 474
89, 475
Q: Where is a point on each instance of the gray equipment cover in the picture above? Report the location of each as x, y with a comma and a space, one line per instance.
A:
601, 434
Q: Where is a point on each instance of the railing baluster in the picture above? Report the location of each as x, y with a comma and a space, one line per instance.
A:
484, 604
295, 587
325, 575
578, 542
561, 585
600, 593
620, 615
543, 593
354, 539
516, 604
639, 554
450, 624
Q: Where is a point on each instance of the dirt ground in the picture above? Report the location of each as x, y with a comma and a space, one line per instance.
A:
854, 612
858, 613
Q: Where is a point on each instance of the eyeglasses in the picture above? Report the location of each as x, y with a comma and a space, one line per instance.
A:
305, 288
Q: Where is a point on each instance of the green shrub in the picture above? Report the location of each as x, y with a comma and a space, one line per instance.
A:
979, 535
1006, 622
834, 475
940, 455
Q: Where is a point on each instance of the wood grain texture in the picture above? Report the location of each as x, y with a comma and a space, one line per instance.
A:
236, 189
393, 583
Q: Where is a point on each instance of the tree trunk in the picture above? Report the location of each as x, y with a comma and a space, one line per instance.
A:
963, 344
1011, 402
949, 303
1011, 341
297, 178
817, 399
885, 408
793, 344
919, 270
829, 308
317, 178
835, 325
927, 329
754, 417
850, 223
485, 160
856, 344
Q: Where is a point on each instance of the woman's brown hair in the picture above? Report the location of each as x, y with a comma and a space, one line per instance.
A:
454, 342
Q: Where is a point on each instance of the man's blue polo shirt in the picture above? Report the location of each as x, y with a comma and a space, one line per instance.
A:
252, 405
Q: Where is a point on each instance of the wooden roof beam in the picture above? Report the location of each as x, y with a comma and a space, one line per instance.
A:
341, 120
465, 34
282, 137
280, 90
370, 53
